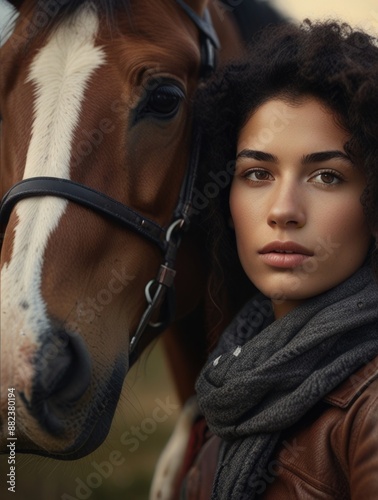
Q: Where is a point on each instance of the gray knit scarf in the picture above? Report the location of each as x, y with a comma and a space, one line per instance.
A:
263, 379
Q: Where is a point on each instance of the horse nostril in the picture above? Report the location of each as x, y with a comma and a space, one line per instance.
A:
65, 367
63, 375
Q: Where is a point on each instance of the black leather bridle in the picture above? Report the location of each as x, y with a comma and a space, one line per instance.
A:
168, 239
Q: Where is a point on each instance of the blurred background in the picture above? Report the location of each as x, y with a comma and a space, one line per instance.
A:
362, 13
149, 381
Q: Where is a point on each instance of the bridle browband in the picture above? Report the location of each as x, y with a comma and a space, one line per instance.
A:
167, 239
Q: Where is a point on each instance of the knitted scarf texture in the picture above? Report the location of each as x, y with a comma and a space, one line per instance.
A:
265, 375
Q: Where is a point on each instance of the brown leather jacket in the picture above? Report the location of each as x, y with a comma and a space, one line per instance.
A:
331, 454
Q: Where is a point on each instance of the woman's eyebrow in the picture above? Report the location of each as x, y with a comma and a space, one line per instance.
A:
318, 157
257, 155
323, 156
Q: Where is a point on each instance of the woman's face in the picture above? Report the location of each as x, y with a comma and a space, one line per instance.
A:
295, 202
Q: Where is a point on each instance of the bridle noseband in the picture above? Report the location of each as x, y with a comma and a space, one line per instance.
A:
167, 239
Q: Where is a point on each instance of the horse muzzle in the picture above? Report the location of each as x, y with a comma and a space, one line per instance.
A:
62, 408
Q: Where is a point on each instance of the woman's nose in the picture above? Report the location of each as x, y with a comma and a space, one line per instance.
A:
287, 207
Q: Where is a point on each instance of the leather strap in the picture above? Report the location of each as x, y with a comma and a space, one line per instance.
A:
209, 41
85, 196
204, 25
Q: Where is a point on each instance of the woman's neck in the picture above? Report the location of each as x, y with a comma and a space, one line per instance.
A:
282, 307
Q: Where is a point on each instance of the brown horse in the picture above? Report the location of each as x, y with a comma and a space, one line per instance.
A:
97, 93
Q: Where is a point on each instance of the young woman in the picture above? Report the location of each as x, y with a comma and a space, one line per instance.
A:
290, 393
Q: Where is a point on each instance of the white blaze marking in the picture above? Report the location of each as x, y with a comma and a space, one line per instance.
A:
60, 73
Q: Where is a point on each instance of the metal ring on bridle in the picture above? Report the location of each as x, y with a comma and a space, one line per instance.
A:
177, 223
150, 300
147, 291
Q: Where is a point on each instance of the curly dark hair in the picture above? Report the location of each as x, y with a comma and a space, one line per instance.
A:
326, 60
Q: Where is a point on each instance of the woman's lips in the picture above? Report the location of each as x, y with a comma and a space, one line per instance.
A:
284, 260
284, 254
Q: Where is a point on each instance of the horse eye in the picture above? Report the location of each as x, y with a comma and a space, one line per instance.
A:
164, 101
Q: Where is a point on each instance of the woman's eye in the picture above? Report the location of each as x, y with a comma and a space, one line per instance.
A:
258, 175
329, 178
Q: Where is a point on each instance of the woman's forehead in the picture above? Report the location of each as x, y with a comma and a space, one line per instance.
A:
306, 124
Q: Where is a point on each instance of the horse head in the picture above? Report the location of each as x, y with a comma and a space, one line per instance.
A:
98, 94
